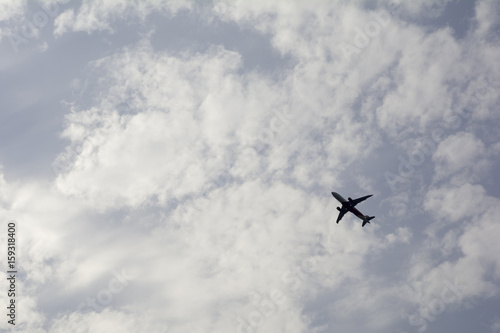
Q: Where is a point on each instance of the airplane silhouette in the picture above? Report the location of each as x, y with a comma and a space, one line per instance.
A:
348, 206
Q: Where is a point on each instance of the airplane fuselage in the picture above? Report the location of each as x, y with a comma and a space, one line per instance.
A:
348, 206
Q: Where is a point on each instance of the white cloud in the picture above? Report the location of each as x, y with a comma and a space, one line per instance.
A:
188, 114
455, 203
63, 21
455, 270
402, 235
178, 134
227, 249
462, 152
11, 13
100, 15
11, 8
210, 183
487, 16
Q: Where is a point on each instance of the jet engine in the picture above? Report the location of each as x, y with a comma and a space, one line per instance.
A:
338, 208
349, 199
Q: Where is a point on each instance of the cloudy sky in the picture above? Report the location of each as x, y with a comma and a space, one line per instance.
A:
169, 165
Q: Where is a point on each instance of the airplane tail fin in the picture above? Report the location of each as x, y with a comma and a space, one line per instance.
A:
367, 219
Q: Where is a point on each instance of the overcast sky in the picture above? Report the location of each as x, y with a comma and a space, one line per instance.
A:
169, 165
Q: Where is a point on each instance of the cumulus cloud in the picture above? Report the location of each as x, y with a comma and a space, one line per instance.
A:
461, 152
63, 21
197, 127
455, 203
160, 124
473, 273
193, 192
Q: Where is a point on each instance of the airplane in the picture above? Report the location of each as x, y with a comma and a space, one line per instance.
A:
348, 206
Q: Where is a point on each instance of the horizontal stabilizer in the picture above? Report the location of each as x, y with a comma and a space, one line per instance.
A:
367, 219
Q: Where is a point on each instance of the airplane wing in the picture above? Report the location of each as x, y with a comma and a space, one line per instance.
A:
358, 200
341, 214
